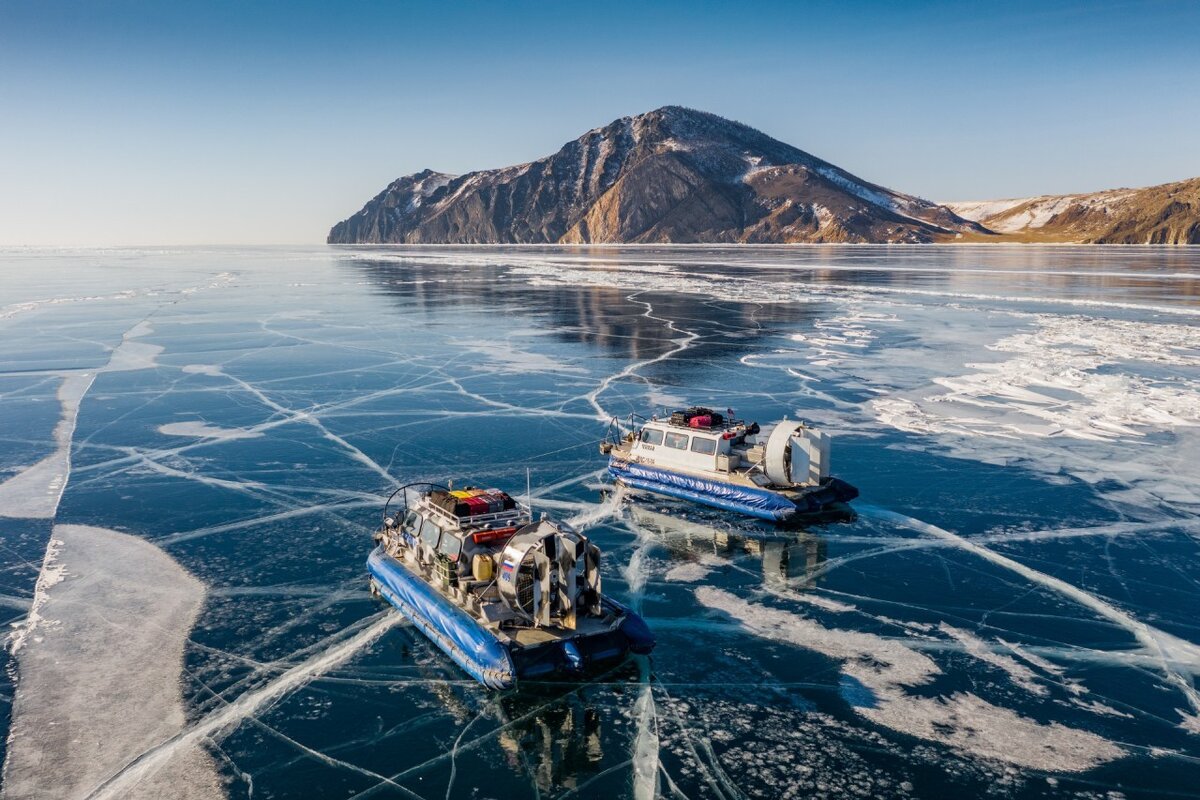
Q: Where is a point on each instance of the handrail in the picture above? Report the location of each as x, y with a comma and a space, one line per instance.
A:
507, 515
403, 488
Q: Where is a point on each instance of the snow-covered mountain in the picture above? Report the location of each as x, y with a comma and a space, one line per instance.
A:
670, 175
1165, 214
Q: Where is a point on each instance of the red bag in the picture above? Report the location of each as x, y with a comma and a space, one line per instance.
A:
704, 421
493, 502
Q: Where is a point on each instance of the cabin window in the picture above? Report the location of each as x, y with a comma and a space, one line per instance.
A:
702, 445
412, 523
651, 436
451, 546
678, 441
430, 534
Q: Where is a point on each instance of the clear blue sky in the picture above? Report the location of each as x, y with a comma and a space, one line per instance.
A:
213, 121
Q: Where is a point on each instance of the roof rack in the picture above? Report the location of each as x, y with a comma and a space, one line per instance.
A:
475, 520
721, 422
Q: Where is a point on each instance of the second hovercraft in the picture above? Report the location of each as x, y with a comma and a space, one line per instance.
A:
779, 473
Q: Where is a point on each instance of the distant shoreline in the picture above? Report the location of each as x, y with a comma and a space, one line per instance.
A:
575, 246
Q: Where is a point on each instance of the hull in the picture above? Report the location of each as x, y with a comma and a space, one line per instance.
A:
492, 662
755, 502
456, 634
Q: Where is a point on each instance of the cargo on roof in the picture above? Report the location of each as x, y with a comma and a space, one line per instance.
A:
472, 502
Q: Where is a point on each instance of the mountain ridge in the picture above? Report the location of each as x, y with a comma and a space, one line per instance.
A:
679, 175
1167, 213
670, 175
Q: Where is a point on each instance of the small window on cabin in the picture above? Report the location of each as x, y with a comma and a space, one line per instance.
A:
651, 436
702, 445
430, 534
678, 441
412, 523
451, 546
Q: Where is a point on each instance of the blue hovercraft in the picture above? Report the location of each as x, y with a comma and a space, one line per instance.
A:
508, 598
779, 473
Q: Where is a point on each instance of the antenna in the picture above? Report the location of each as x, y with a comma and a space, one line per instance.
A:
528, 493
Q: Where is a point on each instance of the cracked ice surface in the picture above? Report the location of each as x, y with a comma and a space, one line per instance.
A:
1011, 615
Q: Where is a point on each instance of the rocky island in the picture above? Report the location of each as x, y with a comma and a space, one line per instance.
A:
680, 175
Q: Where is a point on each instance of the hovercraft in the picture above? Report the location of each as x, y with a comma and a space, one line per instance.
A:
778, 473
505, 596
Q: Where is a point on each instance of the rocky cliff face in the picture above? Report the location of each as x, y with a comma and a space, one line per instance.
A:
1166, 214
671, 175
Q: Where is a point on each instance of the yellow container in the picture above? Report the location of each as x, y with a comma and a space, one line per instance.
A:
481, 568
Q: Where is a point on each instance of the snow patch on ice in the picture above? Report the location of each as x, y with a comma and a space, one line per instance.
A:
202, 430
1178, 659
1020, 674
131, 354
1105, 710
35, 492
888, 669
970, 724
822, 602
645, 747
103, 683
688, 572
203, 369
506, 358
51, 575
13, 309
1033, 658
844, 337
656, 397
1070, 377
154, 759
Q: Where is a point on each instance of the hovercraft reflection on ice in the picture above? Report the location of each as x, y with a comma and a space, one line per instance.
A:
778, 473
790, 559
505, 596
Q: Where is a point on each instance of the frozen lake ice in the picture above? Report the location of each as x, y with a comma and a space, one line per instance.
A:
1013, 613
